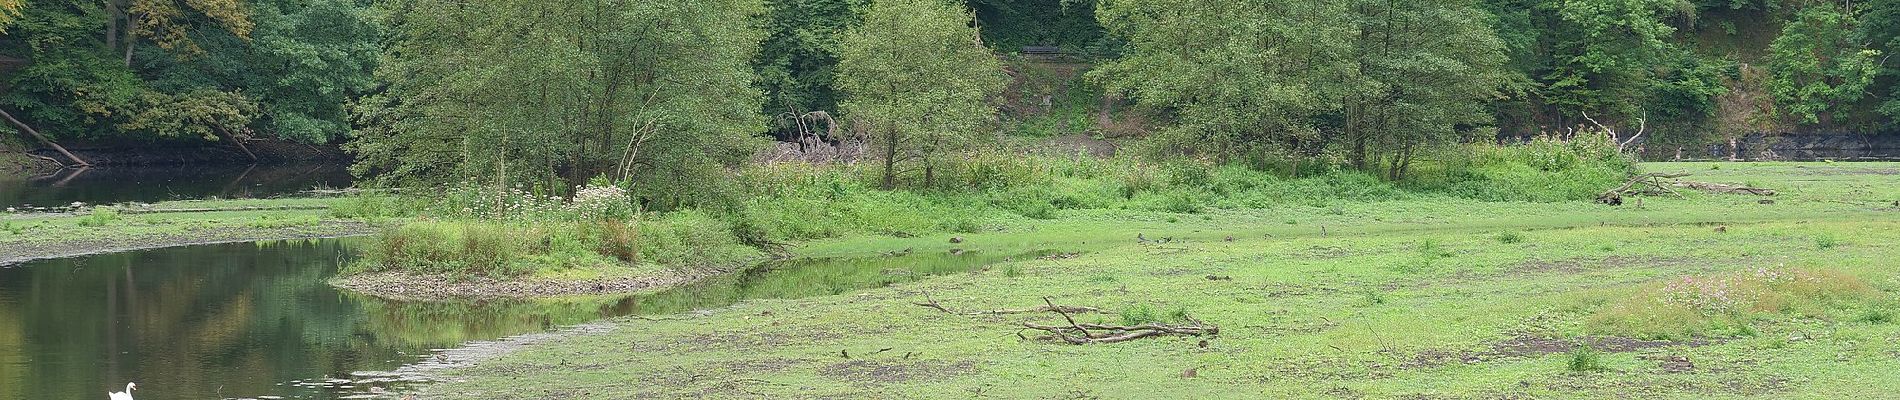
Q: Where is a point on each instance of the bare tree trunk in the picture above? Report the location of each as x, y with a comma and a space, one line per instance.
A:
113, 14
130, 42
890, 159
238, 142
49, 142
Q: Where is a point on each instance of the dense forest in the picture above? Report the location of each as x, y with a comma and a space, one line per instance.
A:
439, 91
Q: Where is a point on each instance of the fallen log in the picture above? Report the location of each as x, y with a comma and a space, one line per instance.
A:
1650, 183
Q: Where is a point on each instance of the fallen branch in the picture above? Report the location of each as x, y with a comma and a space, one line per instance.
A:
1650, 183
932, 303
47, 159
49, 142
1080, 334
1725, 188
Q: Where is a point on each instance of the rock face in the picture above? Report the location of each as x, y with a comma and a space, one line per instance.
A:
1792, 147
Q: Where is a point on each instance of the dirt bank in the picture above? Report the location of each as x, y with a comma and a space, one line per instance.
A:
408, 286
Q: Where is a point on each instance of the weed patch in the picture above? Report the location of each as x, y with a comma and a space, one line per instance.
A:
1726, 305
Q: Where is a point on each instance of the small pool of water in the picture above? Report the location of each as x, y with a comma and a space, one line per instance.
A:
253, 319
107, 185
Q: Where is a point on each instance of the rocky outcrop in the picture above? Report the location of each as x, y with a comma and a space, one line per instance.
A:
1791, 147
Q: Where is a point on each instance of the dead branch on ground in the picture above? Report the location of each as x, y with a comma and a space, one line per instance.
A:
1650, 183
1080, 333
932, 303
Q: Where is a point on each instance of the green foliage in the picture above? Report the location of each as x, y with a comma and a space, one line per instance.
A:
1230, 94
204, 113
1139, 314
799, 57
1009, 25
100, 216
1391, 78
1820, 67
914, 75
150, 69
571, 89
1542, 170
1510, 237
1586, 358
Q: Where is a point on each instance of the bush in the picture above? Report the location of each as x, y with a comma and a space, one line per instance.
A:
100, 216
1542, 170
1587, 359
1510, 237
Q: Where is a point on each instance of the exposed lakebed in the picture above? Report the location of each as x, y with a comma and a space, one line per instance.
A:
258, 319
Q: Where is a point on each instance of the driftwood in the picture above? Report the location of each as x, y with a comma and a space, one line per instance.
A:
1725, 188
1080, 333
932, 303
1650, 183
49, 142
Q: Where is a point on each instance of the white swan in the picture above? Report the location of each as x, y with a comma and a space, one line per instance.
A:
125, 395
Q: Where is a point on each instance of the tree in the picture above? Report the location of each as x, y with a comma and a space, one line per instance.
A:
1424, 71
10, 12
1820, 67
915, 75
798, 58
1880, 28
1238, 77
305, 60
656, 94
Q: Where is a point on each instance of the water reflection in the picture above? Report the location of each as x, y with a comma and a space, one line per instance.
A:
157, 183
245, 319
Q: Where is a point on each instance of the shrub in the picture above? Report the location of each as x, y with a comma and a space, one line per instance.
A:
1510, 237
1139, 314
1825, 242
100, 216
1586, 358
1542, 170
602, 203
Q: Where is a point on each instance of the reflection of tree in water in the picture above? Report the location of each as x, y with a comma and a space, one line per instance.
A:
443, 324
119, 184
184, 322
236, 320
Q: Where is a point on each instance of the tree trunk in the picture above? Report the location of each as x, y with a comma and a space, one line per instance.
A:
890, 159
49, 142
112, 24
238, 142
130, 42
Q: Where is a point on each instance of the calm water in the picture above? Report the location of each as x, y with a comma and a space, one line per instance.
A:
247, 319
150, 184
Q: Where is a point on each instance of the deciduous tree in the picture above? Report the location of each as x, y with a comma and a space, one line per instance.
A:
915, 75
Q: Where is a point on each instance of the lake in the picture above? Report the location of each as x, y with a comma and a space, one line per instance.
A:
259, 319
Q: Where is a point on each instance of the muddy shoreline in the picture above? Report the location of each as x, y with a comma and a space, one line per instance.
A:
15, 253
418, 287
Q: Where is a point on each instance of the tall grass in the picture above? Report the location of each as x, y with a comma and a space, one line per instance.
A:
764, 205
1726, 305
